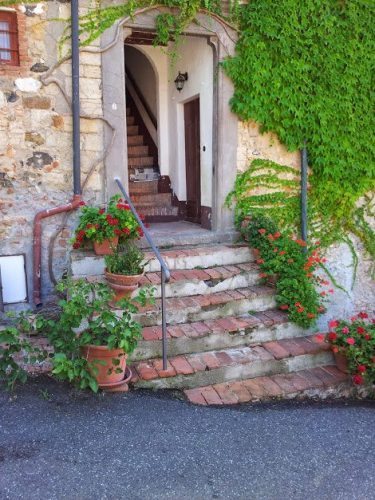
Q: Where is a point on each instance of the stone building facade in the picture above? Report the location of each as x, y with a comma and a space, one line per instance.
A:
36, 142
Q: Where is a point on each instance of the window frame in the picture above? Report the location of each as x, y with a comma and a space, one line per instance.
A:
10, 17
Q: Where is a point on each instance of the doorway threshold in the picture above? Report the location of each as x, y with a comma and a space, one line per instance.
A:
181, 233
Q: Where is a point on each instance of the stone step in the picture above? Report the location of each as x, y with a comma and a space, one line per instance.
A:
241, 363
190, 282
140, 161
320, 381
191, 257
223, 333
206, 307
130, 120
134, 151
135, 140
156, 199
132, 130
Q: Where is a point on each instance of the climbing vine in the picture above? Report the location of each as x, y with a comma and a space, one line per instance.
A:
305, 71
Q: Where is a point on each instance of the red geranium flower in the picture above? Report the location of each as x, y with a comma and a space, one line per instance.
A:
363, 315
284, 307
345, 330
332, 336
361, 330
277, 235
333, 324
82, 203
361, 368
261, 231
101, 211
260, 261
320, 337
350, 341
358, 379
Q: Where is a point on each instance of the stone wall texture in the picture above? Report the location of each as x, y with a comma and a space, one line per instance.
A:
36, 151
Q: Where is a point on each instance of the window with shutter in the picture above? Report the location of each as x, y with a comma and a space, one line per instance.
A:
9, 53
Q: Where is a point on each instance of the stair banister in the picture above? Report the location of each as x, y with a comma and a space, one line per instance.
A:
165, 273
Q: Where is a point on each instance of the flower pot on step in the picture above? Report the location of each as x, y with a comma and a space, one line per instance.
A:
110, 371
123, 285
341, 362
106, 247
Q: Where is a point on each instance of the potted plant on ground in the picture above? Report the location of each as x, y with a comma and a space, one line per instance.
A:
106, 227
353, 345
91, 341
124, 269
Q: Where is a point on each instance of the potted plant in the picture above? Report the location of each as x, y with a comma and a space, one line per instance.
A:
124, 269
353, 345
91, 341
106, 227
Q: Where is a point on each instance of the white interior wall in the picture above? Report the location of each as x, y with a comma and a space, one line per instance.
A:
160, 64
195, 58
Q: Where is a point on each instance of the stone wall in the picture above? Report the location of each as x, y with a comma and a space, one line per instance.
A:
36, 137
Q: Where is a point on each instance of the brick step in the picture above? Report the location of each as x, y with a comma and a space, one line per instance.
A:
190, 282
157, 211
318, 381
241, 363
223, 333
143, 187
189, 257
130, 120
152, 199
132, 130
206, 307
134, 151
140, 161
135, 140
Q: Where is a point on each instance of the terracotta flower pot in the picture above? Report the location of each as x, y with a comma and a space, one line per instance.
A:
341, 362
123, 285
108, 372
106, 247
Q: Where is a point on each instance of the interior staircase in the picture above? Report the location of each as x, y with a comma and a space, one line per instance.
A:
144, 174
227, 341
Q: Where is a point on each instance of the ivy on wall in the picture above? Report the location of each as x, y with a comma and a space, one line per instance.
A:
304, 70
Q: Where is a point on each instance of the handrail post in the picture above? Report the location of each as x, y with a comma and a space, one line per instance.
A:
165, 273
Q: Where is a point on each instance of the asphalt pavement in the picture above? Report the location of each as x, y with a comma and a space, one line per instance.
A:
57, 443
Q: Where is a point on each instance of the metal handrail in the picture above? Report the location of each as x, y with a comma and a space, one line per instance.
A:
165, 273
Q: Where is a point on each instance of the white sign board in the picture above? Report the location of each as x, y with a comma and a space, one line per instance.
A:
13, 278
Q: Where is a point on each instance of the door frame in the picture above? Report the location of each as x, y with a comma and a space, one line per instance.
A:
222, 38
198, 218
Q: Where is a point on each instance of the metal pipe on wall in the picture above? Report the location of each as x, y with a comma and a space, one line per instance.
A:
77, 199
304, 178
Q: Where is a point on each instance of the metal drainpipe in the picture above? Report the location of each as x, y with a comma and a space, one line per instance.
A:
77, 198
304, 168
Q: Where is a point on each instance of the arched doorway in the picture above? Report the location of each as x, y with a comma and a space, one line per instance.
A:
217, 143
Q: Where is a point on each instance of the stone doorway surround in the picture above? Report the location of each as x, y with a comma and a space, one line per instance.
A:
222, 37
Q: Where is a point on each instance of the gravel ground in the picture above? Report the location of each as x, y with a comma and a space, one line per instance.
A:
56, 443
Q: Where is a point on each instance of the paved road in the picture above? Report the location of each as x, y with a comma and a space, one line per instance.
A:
59, 444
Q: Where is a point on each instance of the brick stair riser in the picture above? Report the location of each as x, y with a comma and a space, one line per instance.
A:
152, 199
135, 140
150, 210
254, 369
134, 151
140, 161
130, 120
196, 287
132, 130
198, 313
216, 341
90, 265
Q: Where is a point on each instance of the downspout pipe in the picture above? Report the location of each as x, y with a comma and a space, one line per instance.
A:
77, 190
304, 177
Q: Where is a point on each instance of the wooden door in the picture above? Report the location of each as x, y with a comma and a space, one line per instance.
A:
192, 161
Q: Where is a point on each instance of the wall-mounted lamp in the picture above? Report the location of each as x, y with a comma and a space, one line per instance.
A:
180, 80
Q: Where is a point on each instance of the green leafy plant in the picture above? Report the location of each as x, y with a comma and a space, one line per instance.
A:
87, 319
281, 257
128, 260
16, 349
354, 339
99, 224
303, 71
